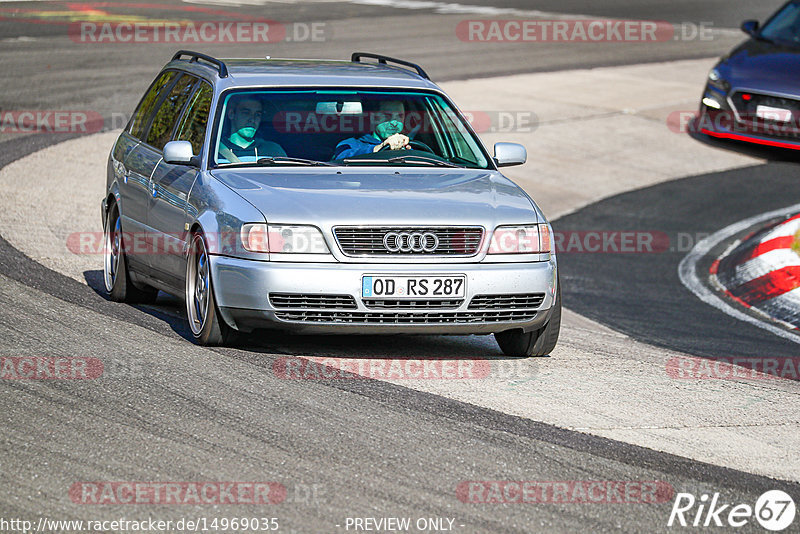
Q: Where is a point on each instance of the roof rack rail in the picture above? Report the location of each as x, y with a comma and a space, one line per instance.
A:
195, 56
356, 57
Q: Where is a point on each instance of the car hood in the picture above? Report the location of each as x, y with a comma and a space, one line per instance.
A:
762, 66
337, 196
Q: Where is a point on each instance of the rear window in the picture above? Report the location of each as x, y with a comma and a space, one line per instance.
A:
193, 127
144, 112
169, 112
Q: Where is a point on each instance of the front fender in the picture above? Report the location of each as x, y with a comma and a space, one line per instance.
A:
219, 212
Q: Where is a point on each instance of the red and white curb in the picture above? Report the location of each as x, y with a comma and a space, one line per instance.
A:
762, 274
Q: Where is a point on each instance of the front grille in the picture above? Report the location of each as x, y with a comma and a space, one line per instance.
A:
386, 318
419, 304
520, 301
312, 301
747, 111
368, 241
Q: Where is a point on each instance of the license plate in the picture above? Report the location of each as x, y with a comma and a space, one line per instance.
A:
774, 114
409, 287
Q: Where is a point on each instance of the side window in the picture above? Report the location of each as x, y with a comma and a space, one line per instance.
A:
146, 107
167, 115
193, 126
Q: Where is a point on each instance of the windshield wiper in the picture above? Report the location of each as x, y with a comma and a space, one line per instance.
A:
412, 158
272, 160
348, 161
403, 159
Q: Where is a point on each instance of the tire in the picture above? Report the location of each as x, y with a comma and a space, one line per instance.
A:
519, 344
207, 326
116, 275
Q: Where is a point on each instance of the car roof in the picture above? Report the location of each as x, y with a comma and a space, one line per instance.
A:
255, 72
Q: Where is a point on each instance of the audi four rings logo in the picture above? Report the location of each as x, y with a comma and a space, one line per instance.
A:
410, 242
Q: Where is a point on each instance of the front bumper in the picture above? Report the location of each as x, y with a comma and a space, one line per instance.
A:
242, 289
761, 140
725, 124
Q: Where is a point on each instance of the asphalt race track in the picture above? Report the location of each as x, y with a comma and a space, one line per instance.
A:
166, 410
628, 291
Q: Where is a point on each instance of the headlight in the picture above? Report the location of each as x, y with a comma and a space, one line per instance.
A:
528, 239
283, 239
716, 80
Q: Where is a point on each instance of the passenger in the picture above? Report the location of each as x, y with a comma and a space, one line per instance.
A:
390, 117
244, 116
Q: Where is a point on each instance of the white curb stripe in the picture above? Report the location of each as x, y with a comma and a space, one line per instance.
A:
783, 230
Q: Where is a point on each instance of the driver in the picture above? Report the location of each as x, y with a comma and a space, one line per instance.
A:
390, 117
244, 115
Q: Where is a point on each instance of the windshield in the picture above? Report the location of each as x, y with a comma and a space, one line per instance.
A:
342, 127
784, 27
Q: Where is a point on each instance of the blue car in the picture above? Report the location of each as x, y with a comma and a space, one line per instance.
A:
753, 94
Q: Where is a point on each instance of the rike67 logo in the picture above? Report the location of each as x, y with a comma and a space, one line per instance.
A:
774, 510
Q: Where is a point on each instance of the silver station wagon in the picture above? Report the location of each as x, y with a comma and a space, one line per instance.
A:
338, 197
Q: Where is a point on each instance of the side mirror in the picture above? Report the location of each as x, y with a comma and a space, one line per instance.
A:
508, 154
750, 27
179, 153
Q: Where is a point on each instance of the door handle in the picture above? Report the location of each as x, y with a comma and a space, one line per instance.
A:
152, 183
